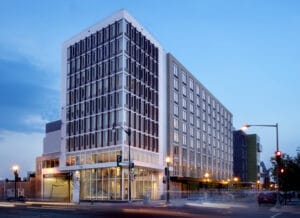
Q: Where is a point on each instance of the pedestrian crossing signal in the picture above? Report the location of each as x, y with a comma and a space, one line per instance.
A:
119, 160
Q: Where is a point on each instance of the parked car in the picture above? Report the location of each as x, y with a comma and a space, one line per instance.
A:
268, 197
20, 198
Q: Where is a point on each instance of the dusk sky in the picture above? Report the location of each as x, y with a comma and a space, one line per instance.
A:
247, 53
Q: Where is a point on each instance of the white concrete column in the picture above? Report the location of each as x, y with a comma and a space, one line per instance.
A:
76, 187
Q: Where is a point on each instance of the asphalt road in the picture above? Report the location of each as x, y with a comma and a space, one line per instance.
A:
190, 209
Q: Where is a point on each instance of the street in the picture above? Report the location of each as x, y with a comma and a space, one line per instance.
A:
179, 208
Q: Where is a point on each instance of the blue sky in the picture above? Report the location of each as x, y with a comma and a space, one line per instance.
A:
245, 52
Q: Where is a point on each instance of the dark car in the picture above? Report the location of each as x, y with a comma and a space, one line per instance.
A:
20, 198
267, 197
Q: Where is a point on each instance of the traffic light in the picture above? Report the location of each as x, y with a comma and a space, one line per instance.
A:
278, 156
282, 170
119, 160
132, 166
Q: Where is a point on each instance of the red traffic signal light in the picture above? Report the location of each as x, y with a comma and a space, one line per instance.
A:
281, 170
278, 156
278, 153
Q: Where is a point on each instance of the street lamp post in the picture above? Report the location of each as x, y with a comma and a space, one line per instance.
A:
15, 169
128, 132
245, 127
206, 175
168, 160
236, 179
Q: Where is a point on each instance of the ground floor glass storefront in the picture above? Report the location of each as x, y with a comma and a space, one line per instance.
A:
56, 187
112, 183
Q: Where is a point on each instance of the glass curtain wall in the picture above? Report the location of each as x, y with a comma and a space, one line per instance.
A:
106, 184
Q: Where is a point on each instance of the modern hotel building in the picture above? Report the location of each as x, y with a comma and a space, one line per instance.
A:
199, 131
120, 88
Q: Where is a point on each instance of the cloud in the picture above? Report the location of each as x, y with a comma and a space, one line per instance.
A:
35, 121
24, 93
45, 60
21, 149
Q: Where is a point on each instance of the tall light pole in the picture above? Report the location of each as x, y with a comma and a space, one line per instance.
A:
128, 132
206, 175
235, 180
15, 169
245, 127
168, 160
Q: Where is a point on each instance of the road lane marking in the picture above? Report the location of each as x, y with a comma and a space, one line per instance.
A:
215, 205
276, 215
158, 212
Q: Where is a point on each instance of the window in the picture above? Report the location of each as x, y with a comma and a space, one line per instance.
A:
191, 108
184, 90
184, 127
183, 102
183, 77
176, 97
191, 143
175, 123
198, 123
198, 134
191, 131
175, 70
184, 115
184, 139
191, 84
175, 84
197, 90
184, 155
176, 137
192, 96
176, 150
192, 120
175, 110
198, 112
203, 126
198, 101
119, 45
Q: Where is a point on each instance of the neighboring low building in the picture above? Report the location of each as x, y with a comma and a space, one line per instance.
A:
253, 154
246, 157
25, 188
240, 158
52, 183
